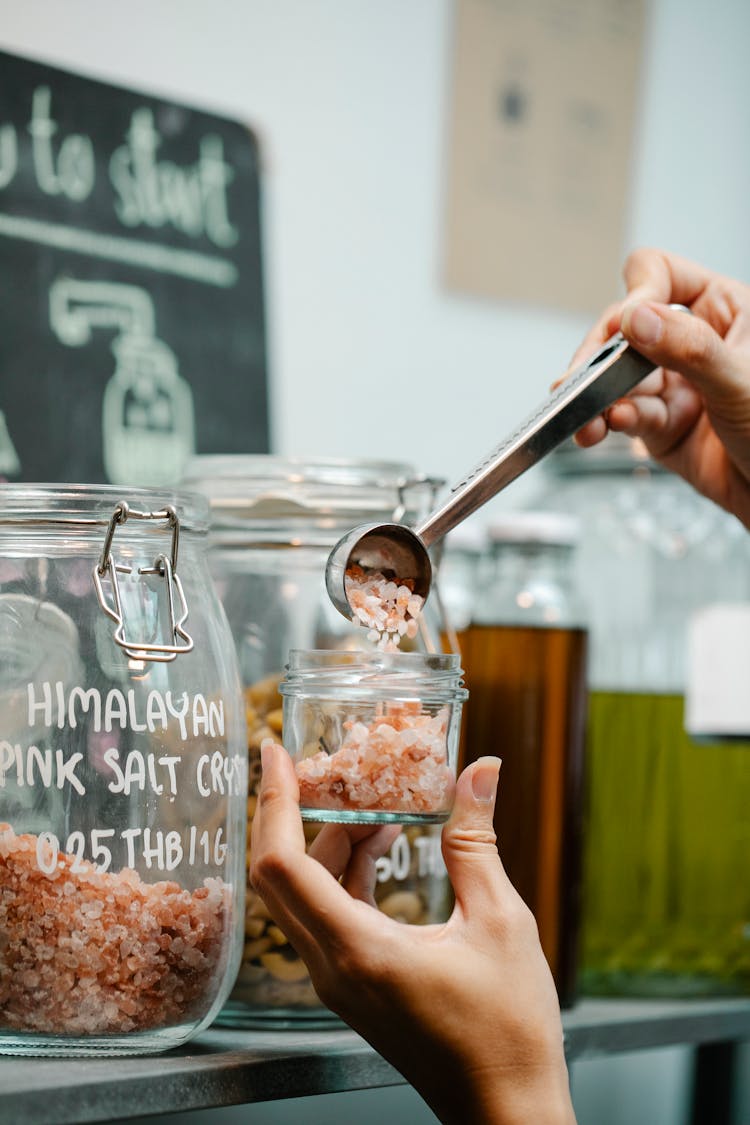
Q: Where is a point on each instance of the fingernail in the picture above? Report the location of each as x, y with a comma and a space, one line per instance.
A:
642, 324
484, 781
266, 753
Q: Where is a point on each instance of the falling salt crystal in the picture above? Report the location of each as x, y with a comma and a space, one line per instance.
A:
388, 610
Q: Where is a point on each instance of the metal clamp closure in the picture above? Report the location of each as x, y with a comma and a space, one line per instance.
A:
434, 484
165, 566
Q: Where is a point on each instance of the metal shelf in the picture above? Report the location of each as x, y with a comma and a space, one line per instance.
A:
223, 1067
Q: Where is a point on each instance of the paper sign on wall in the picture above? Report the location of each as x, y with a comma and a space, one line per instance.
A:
539, 148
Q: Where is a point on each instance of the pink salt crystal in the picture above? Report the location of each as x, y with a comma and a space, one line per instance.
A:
109, 960
387, 610
396, 763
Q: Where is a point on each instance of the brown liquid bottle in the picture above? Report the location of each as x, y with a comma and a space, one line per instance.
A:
524, 658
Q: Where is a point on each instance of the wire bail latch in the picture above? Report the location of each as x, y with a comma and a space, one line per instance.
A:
165, 566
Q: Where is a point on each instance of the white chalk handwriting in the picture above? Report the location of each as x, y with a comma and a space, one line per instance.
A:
148, 191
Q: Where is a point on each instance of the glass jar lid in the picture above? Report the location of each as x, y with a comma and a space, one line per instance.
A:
262, 499
74, 507
618, 453
532, 528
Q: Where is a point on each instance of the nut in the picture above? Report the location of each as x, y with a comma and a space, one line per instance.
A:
283, 968
254, 927
256, 908
275, 719
277, 936
264, 695
254, 949
257, 736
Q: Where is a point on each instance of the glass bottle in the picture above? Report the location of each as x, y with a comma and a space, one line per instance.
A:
274, 521
122, 773
666, 888
460, 561
524, 659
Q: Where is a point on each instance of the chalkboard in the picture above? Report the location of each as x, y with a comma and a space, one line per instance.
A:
131, 297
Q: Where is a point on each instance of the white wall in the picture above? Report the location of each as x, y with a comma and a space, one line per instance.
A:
369, 356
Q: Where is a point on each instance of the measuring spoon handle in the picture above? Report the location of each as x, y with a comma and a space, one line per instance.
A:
608, 375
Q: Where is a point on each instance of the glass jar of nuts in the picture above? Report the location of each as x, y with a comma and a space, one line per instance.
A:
273, 523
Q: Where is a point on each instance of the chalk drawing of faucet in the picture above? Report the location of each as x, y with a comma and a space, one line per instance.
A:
148, 421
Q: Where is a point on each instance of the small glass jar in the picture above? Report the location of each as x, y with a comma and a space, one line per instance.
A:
524, 658
373, 736
274, 521
122, 773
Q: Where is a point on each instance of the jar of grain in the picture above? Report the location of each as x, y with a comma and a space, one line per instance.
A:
122, 773
274, 521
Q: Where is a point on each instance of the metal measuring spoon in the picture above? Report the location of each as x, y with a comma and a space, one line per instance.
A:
400, 552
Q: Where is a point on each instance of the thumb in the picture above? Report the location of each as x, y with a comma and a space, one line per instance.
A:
684, 343
469, 844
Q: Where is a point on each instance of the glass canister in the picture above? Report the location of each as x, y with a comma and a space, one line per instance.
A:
274, 521
524, 658
664, 573
122, 773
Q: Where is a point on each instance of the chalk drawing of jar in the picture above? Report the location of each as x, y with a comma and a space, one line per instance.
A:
148, 420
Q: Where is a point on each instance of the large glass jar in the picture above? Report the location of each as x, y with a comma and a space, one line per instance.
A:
524, 658
664, 573
122, 773
274, 521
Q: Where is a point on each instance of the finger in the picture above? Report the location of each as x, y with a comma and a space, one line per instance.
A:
280, 795
687, 344
311, 907
643, 417
655, 275
335, 844
469, 845
592, 433
362, 871
606, 325
725, 304
667, 422
277, 825
596, 430
650, 275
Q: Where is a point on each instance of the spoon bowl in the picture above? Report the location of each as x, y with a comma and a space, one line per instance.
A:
391, 549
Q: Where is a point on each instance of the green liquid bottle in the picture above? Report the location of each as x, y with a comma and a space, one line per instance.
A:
666, 871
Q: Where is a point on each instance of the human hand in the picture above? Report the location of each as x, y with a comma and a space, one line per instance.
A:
693, 412
466, 1010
